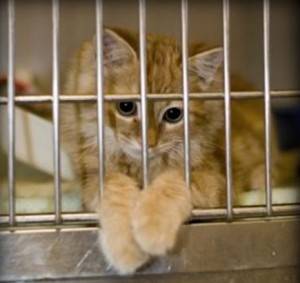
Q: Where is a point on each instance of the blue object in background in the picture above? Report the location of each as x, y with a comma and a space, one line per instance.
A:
288, 125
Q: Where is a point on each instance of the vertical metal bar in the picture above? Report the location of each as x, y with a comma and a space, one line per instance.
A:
100, 93
55, 108
227, 105
184, 37
143, 87
11, 110
267, 101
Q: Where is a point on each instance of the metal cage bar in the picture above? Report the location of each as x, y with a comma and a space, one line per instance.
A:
198, 214
11, 110
185, 80
46, 98
143, 87
55, 108
56, 98
267, 101
100, 93
227, 105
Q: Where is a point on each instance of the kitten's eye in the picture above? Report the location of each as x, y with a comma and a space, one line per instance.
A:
173, 115
127, 108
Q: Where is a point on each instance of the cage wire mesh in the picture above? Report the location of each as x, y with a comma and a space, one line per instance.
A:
56, 98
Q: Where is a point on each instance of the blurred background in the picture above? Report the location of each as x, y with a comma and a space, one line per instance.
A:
77, 22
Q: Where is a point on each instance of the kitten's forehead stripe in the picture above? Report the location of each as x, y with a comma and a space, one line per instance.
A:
164, 75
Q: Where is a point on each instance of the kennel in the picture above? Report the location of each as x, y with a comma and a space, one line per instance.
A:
241, 244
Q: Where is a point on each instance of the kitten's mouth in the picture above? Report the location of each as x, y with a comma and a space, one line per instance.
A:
136, 153
134, 149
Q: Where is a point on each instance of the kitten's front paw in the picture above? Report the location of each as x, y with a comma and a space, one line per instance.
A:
117, 241
122, 253
155, 226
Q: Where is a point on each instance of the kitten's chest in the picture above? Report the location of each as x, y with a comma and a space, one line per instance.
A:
134, 168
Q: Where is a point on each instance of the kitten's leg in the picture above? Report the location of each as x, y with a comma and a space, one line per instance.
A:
257, 176
118, 244
208, 188
160, 211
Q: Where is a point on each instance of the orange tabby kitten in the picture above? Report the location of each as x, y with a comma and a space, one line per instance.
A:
137, 224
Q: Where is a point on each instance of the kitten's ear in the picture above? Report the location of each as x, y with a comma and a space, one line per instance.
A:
117, 51
205, 65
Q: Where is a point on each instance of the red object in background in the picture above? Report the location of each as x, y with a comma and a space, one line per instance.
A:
20, 86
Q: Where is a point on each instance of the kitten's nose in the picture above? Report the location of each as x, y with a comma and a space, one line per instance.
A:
152, 137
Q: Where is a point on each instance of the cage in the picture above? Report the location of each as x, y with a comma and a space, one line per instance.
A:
46, 234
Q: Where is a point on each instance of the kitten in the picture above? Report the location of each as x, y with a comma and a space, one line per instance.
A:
137, 224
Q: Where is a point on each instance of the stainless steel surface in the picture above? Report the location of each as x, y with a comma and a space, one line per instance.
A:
100, 93
267, 275
185, 81
227, 105
143, 88
60, 245
11, 110
198, 214
45, 98
268, 150
215, 247
55, 108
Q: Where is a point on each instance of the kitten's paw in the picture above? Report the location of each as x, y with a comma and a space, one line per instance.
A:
117, 241
124, 256
154, 228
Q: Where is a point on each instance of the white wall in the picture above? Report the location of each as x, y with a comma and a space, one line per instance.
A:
33, 29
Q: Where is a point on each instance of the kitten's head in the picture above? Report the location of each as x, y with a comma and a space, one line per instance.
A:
164, 76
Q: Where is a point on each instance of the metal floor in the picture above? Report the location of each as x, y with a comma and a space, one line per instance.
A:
278, 275
246, 251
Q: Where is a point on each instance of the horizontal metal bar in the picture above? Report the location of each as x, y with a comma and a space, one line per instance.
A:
246, 212
198, 214
170, 96
49, 218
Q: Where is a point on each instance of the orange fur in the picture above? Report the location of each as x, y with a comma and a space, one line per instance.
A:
136, 224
